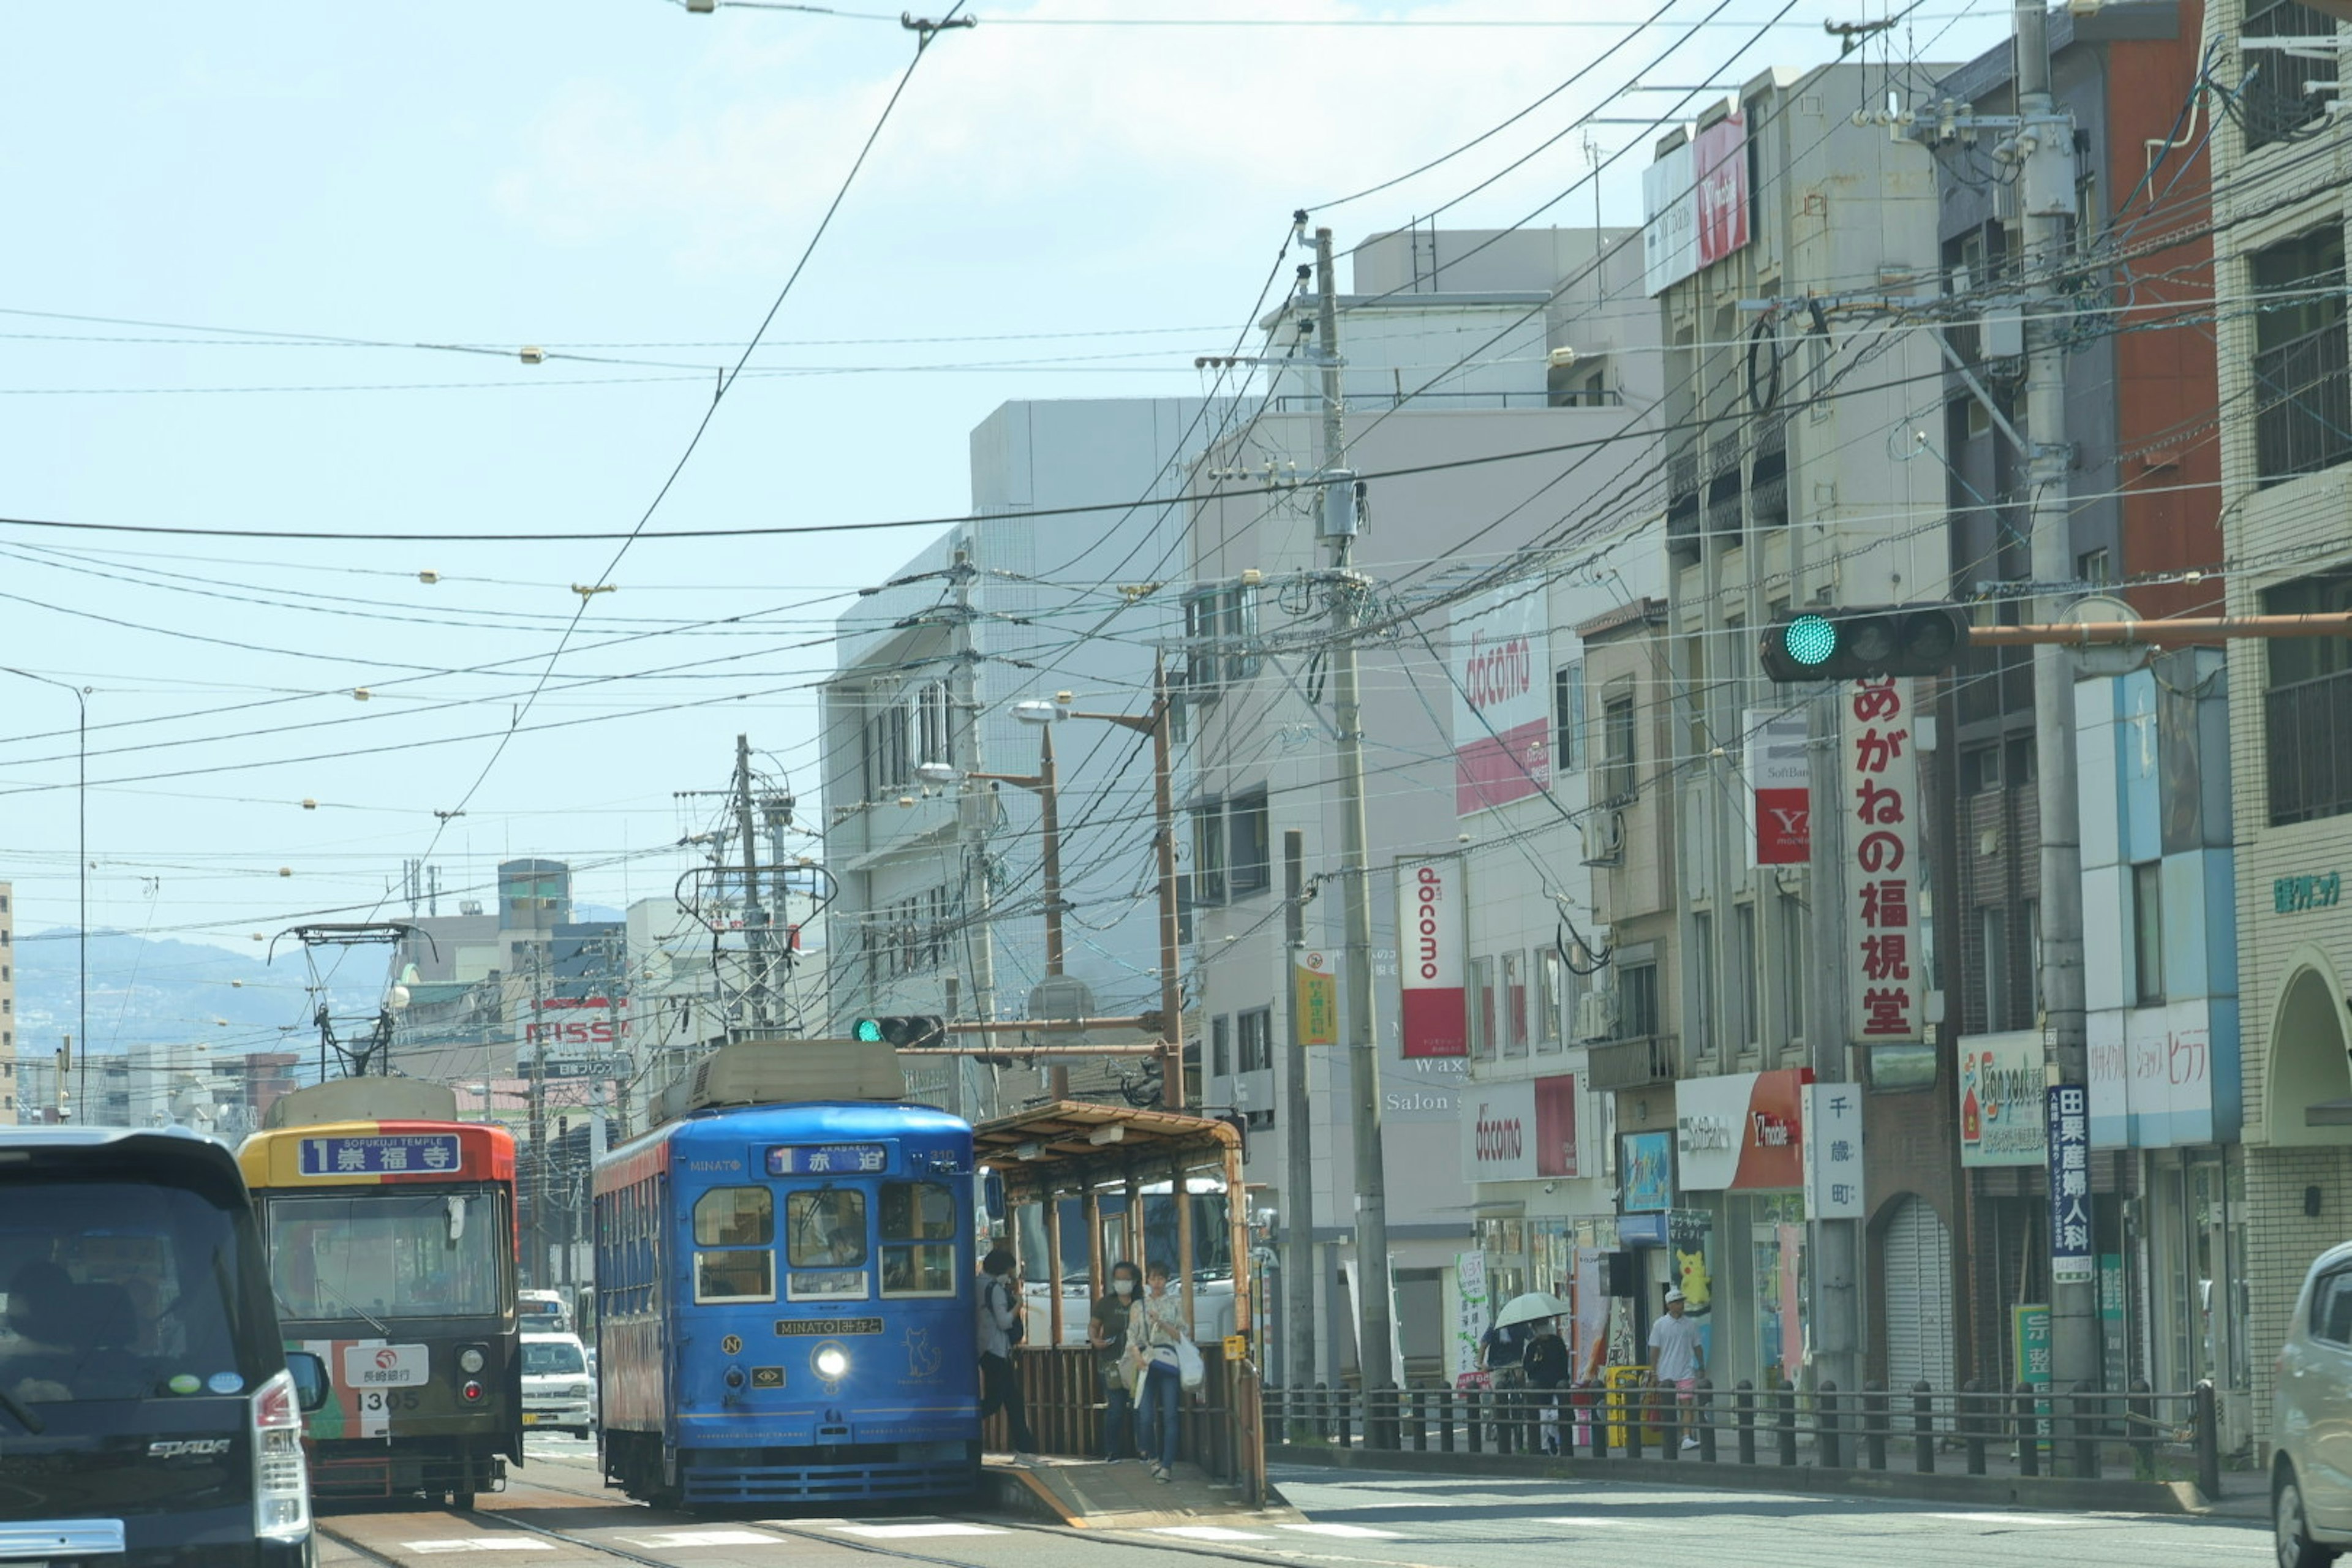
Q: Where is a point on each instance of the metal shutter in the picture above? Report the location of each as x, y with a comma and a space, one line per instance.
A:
1917, 1260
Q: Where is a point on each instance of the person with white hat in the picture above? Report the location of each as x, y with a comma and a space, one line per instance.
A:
1674, 1359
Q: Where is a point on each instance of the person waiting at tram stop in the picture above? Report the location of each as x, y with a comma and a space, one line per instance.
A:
1545, 1363
1000, 1329
1674, 1363
1155, 1325
1107, 1333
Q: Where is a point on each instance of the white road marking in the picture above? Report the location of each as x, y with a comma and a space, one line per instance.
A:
677, 1538
1346, 1532
1209, 1532
479, 1544
2045, 1518
1583, 1522
914, 1531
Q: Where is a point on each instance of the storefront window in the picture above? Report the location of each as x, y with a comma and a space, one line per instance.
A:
1770, 1266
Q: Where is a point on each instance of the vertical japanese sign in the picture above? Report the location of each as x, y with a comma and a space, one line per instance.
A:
1315, 999
1502, 701
1882, 800
2070, 1262
1435, 1010
1470, 1321
1779, 826
2029, 1342
1832, 1144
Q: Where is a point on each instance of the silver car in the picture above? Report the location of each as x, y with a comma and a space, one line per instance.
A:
2311, 1419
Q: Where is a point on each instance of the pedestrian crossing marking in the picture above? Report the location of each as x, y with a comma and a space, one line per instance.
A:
1346, 1532
1209, 1532
681, 1538
1583, 1522
914, 1531
477, 1543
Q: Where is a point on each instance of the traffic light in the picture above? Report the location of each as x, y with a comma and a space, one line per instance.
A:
1865, 644
909, 1031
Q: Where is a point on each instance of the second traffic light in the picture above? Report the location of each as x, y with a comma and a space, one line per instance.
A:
912, 1031
1865, 644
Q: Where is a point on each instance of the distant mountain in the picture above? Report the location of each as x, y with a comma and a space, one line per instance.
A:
148, 991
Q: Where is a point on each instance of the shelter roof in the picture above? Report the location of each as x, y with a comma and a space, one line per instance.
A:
1105, 1138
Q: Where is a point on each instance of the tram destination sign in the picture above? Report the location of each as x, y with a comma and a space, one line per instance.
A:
828, 1159
386, 1154
828, 1326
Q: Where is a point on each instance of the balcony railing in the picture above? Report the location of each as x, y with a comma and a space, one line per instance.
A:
1630, 1064
2309, 741
2277, 102
2303, 409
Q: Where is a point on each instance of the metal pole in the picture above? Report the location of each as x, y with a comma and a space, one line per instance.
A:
754, 917
1833, 1243
1049, 819
1298, 1208
82, 862
1375, 1336
1163, 808
2074, 1320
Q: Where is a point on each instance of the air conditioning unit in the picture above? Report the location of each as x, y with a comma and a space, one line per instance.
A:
1604, 837
1596, 1016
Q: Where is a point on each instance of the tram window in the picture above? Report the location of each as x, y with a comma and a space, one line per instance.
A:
381, 1255
743, 1221
922, 1212
827, 1227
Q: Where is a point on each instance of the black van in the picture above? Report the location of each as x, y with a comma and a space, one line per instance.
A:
149, 1413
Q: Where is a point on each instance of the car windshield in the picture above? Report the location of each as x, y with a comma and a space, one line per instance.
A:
117, 1289
547, 1357
380, 1255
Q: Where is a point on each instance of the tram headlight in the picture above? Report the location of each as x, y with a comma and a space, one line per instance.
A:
831, 1363
471, 1360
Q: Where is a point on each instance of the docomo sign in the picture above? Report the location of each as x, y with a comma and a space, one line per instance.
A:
1502, 712
1522, 1130
1436, 1014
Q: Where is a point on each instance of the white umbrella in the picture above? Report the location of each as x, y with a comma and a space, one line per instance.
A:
1530, 1308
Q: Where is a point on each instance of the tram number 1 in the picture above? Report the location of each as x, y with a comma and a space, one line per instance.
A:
384, 1401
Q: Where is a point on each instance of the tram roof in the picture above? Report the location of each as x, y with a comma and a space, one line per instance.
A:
1105, 1138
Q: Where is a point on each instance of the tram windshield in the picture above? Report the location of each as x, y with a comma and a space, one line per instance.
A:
118, 1290
427, 1256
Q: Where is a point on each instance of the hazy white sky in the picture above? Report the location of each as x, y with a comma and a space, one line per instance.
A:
231, 229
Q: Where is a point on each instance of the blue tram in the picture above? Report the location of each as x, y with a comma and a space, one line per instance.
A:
786, 1303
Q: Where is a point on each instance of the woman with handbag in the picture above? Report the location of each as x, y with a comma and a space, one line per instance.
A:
1156, 1329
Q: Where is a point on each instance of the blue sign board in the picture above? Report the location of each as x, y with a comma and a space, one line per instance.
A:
387, 1155
828, 1159
1648, 1165
2070, 1262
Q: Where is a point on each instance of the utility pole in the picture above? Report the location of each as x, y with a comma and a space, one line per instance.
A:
539, 1161
981, 942
1375, 1334
1298, 1218
755, 917
2046, 141
1834, 1244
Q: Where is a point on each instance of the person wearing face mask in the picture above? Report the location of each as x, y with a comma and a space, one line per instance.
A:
1154, 1326
1107, 1333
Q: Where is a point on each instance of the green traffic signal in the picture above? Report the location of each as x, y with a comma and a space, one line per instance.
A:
1865, 644
867, 1029
908, 1032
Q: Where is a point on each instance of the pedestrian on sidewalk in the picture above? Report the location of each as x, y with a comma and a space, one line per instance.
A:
1155, 1325
1107, 1333
1674, 1360
1000, 1327
1546, 1364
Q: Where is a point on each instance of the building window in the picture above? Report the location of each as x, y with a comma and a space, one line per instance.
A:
1209, 853
1792, 966
888, 766
1568, 717
1618, 781
1515, 1005
1750, 1024
1257, 1040
1220, 624
2277, 100
1980, 770
2307, 711
1993, 945
1221, 1048
1700, 1024
2017, 762
1252, 849
1482, 1009
1637, 1005
2033, 954
2147, 931
936, 717
2093, 568
1551, 999
2303, 394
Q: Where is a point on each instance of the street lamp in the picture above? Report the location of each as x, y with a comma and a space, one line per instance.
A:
1154, 723
82, 854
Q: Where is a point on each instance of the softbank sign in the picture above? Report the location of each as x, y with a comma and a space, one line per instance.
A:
1436, 1016
1502, 712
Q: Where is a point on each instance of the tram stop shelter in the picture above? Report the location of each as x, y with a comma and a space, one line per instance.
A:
1049, 1154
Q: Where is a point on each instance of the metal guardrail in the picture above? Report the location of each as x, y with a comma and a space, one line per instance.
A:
2081, 1432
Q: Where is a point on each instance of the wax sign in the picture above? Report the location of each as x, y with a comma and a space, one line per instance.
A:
1429, 936
2070, 1262
1887, 972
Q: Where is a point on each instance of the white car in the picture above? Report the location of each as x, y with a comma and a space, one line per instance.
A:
556, 1389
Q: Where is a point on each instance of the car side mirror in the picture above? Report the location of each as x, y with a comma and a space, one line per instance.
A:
309, 1374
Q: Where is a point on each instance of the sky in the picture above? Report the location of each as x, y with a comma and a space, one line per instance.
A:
271, 266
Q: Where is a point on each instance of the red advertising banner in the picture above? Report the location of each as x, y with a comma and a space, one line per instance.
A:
1887, 995
1720, 155
1780, 827
1429, 936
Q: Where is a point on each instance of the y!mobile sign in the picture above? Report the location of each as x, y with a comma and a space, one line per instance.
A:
1436, 1015
1502, 707
1780, 824
1694, 205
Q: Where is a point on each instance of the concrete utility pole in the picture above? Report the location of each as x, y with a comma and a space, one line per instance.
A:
2046, 141
1835, 1244
755, 917
1298, 1110
1375, 1336
982, 924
